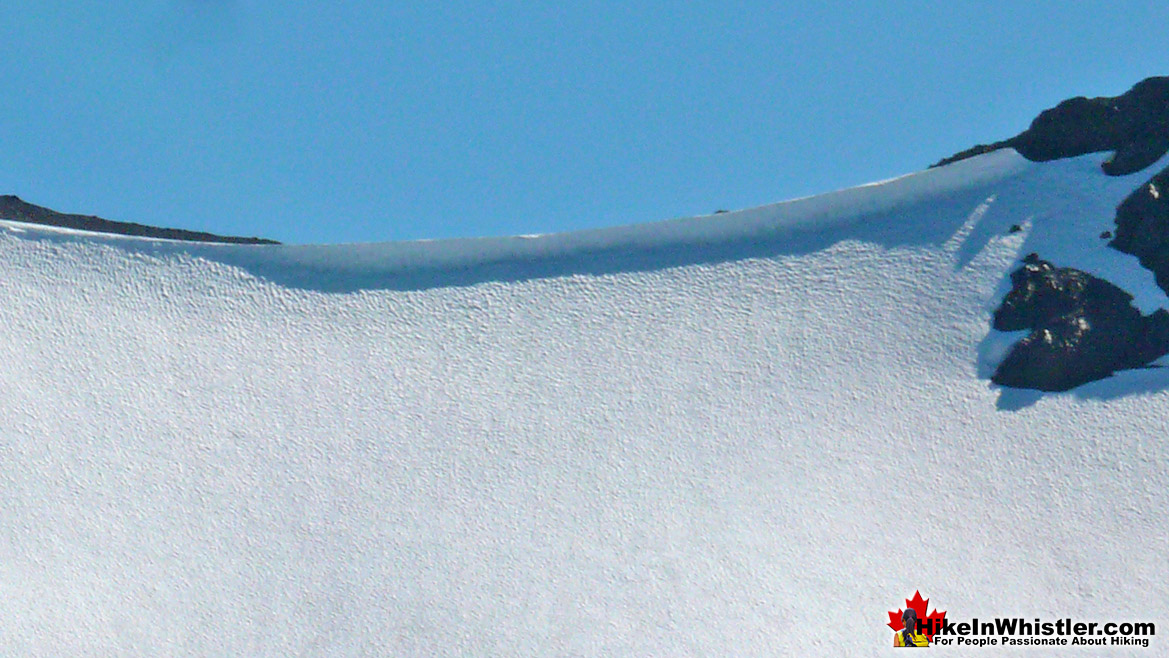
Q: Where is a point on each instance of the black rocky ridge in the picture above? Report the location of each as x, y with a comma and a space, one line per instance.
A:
1134, 125
1082, 327
14, 208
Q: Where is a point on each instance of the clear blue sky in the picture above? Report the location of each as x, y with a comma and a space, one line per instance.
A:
369, 121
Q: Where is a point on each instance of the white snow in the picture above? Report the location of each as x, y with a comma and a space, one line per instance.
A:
694, 437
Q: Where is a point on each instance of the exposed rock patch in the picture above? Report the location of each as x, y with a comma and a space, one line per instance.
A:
1134, 125
1083, 328
1142, 227
14, 208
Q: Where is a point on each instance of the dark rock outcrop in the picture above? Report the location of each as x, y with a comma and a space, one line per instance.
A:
978, 149
1083, 328
1134, 125
14, 208
1142, 227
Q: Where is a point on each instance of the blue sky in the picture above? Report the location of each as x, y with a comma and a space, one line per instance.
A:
312, 122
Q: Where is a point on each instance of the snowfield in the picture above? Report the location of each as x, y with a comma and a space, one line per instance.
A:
700, 437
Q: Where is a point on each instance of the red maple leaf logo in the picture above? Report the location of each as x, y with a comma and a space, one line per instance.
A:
919, 606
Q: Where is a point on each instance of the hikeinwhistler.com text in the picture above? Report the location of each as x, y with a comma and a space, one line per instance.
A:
1015, 631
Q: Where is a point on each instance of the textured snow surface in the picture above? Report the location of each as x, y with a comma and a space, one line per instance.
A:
697, 437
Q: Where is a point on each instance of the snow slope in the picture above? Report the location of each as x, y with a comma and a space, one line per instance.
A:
695, 437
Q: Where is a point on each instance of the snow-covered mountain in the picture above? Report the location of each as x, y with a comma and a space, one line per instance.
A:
749, 434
